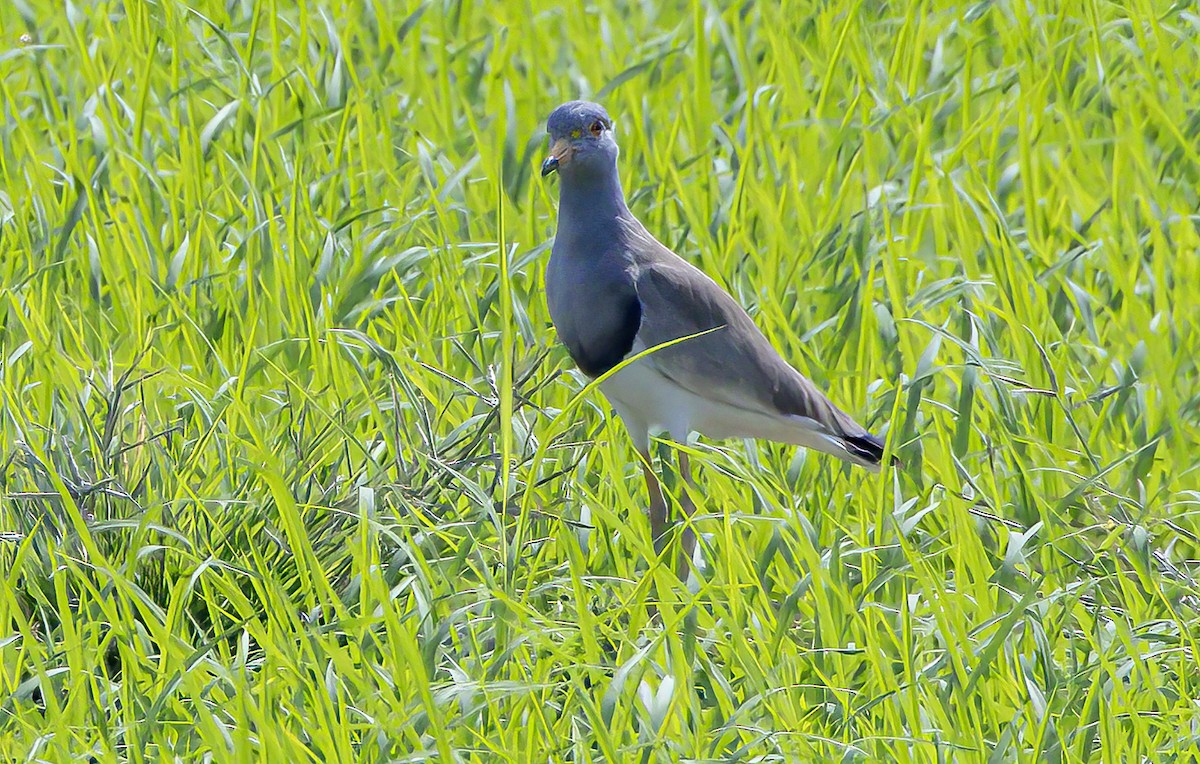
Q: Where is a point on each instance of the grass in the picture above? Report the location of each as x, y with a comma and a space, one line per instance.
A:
292, 468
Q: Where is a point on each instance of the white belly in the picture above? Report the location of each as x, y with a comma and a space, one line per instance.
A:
650, 403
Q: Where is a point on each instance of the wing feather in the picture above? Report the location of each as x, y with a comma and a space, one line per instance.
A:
736, 364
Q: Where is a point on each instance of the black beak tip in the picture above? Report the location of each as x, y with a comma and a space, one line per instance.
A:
549, 166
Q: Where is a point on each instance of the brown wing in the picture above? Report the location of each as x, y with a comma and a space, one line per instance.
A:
735, 365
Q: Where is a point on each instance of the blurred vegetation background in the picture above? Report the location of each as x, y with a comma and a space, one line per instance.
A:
292, 468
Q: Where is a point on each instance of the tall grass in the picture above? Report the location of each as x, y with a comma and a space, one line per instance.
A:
292, 468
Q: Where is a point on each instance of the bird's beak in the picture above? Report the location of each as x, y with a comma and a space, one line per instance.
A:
560, 154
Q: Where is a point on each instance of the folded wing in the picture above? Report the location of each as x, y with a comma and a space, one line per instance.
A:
734, 365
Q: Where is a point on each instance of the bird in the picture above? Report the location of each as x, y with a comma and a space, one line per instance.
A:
615, 292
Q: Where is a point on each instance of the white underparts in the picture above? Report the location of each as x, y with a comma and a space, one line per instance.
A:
649, 403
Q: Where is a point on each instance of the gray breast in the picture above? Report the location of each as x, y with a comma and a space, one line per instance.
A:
595, 309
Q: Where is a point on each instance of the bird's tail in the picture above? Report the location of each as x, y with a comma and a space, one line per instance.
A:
865, 449
845, 440
866, 446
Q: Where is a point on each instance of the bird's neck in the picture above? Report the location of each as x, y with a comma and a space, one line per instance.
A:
585, 203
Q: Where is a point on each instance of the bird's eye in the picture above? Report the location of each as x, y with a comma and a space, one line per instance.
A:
597, 128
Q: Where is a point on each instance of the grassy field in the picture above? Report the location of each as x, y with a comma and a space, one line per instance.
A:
293, 469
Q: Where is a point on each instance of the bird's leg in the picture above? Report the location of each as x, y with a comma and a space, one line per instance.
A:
658, 505
688, 542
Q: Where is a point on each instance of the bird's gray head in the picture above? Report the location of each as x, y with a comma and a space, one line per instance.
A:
581, 141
